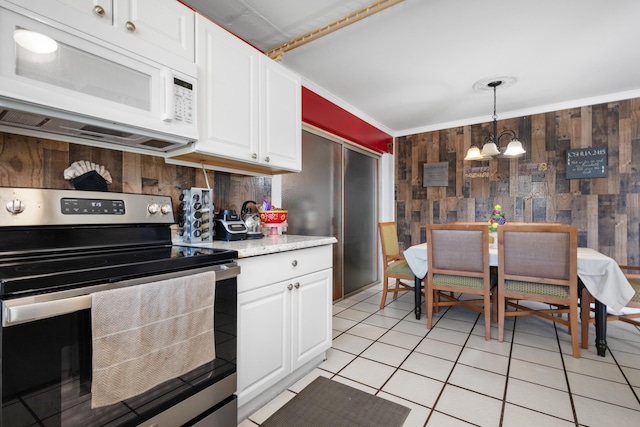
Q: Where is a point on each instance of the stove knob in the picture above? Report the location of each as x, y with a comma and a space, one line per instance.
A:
153, 208
16, 206
165, 209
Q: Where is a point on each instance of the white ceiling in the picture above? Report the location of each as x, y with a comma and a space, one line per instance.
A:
411, 68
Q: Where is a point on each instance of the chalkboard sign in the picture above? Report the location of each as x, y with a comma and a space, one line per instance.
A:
587, 163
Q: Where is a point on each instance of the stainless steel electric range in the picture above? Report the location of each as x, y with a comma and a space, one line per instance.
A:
57, 247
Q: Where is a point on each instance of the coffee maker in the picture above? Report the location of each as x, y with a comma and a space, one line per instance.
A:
229, 226
251, 220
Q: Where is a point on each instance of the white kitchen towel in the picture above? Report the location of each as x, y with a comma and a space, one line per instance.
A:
145, 335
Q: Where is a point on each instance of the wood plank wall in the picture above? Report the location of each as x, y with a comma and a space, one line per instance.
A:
605, 210
39, 163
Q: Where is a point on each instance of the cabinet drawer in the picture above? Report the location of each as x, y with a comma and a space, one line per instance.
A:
263, 270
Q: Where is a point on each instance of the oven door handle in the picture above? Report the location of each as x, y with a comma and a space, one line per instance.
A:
29, 309
14, 315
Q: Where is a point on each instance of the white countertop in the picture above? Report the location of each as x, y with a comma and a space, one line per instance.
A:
266, 245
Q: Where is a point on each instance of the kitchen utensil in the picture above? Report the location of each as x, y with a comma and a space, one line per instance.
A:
251, 220
195, 215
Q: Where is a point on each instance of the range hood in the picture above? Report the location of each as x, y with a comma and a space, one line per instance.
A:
35, 120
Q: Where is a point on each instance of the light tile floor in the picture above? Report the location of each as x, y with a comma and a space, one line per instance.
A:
451, 376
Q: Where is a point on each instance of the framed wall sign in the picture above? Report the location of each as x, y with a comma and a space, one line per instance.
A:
436, 174
587, 163
476, 172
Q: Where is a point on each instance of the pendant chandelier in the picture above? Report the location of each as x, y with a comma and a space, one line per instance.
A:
490, 148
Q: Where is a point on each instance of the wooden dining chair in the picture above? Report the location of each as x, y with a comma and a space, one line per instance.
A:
539, 262
396, 266
458, 263
632, 273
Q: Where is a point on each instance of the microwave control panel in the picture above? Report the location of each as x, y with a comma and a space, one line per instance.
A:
183, 100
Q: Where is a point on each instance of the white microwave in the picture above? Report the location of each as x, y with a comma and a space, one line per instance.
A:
88, 90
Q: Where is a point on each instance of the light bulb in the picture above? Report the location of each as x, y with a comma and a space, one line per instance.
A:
35, 42
514, 149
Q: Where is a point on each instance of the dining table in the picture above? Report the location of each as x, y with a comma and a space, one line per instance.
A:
600, 274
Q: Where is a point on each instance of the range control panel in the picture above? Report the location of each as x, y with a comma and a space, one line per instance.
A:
35, 206
91, 207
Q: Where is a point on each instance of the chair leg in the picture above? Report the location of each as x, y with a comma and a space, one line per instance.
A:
501, 308
487, 317
585, 316
573, 314
385, 289
395, 293
429, 302
494, 306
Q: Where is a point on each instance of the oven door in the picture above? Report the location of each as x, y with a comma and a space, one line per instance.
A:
47, 363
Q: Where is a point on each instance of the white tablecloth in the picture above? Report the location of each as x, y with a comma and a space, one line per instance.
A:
599, 273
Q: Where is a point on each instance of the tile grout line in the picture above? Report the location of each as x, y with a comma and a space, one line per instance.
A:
455, 363
506, 381
411, 350
566, 375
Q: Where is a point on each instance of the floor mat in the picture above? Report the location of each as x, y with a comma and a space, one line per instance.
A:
332, 404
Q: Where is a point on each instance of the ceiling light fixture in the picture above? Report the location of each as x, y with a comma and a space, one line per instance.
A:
490, 148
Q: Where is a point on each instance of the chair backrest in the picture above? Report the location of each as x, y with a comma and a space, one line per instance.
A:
461, 248
389, 240
530, 252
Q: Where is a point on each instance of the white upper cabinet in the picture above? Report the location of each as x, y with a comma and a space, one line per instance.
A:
229, 93
166, 23
250, 110
281, 99
156, 29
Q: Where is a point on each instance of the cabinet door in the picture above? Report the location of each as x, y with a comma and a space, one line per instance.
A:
228, 70
73, 13
165, 23
282, 117
264, 352
311, 321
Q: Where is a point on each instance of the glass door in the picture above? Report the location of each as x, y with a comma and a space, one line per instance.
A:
360, 214
336, 195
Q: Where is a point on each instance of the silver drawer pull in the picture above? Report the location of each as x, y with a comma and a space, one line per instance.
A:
297, 285
289, 286
294, 262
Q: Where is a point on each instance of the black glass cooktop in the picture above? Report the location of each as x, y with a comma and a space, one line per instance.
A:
48, 272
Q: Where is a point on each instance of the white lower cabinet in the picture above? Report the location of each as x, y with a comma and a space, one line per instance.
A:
282, 325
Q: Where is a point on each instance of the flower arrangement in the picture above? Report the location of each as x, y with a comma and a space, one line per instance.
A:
497, 218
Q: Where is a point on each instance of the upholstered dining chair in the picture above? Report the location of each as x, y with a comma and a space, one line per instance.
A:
539, 262
458, 263
632, 273
396, 266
